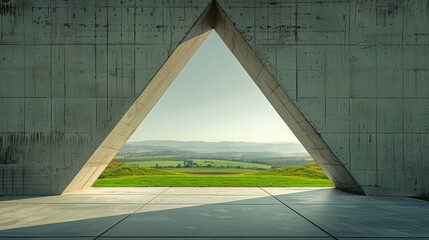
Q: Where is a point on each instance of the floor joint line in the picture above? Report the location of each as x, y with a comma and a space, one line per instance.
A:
298, 213
145, 204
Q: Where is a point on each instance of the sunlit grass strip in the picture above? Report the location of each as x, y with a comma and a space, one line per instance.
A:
122, 175
211, 181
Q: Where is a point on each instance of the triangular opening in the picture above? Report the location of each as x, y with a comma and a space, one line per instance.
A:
213, 127
213, 99
214, 17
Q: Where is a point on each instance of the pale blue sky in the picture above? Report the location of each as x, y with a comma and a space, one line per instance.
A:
213, 99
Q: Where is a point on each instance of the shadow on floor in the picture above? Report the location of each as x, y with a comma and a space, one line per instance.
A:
262, 213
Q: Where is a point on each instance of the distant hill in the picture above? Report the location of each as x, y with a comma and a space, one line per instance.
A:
280, 149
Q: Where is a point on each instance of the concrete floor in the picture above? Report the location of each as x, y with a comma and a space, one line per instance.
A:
212, 213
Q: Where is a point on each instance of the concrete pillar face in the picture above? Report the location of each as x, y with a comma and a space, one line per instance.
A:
349, 78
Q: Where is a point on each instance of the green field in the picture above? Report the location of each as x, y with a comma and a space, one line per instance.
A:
125, 175
152, 163
143, 158
202, 170
212, 181
210, 163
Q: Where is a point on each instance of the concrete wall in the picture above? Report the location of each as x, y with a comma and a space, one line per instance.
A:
69, 70
357, 70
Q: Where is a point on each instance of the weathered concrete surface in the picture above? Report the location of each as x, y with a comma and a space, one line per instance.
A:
359, 72
73, 73
207, 213
70, 70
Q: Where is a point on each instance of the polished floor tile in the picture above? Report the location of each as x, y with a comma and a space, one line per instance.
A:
213, 213
215, 220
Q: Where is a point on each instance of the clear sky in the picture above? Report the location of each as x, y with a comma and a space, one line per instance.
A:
213, 99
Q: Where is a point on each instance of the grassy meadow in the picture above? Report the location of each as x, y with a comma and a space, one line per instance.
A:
201, 163
166, 172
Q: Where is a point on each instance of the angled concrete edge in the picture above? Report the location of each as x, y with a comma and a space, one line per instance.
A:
143, 103
281, 102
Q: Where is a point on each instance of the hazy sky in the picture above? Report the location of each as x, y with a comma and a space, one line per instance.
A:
213, 99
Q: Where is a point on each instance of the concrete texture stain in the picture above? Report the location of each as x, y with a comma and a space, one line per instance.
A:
7, 9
